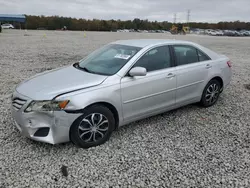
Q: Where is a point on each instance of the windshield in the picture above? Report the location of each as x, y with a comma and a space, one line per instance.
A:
109, 59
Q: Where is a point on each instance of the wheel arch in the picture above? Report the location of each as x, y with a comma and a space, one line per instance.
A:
112, 108
219, 79
108, 105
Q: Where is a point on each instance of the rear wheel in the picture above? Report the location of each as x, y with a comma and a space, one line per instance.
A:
211, 93
93, 128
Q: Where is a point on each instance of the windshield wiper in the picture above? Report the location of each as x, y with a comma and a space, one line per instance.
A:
85, 69
76, 65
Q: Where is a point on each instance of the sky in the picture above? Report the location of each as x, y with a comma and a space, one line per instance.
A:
159, 10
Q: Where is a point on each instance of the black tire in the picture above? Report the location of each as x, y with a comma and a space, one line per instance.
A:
84, 135
211, 93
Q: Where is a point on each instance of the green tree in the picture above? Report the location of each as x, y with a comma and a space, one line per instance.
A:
56, 22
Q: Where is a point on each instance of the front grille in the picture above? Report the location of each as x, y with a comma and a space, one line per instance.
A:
18, 103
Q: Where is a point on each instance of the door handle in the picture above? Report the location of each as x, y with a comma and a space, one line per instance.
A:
208, 66
170, 75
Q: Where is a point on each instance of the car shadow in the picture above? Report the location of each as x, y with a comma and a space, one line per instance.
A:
165, 115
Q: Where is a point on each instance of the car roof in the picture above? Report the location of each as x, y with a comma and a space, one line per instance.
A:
142, 43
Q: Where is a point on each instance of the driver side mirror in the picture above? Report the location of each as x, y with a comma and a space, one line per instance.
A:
138, 71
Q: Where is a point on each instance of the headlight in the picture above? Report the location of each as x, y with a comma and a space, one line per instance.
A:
46, 106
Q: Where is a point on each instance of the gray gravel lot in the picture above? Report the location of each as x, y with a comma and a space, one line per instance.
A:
188, 147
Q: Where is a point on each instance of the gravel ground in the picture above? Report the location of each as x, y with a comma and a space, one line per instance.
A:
188, 147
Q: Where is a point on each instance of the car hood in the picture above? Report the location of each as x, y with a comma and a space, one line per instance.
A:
49, 84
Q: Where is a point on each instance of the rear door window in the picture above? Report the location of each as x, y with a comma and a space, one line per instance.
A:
202, 56
187, 54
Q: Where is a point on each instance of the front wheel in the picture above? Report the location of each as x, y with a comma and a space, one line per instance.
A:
211, 93
93, 128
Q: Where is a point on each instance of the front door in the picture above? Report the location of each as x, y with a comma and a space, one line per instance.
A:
145, 95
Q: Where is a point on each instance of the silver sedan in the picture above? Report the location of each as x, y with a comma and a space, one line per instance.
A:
121, 82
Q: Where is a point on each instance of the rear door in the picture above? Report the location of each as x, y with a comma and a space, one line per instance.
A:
192, 68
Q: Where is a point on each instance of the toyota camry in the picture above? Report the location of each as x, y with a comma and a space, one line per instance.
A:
119, 83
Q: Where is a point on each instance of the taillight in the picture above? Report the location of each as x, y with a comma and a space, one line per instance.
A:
229, 64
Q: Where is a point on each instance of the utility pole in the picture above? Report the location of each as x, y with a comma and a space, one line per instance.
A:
175, 16
188, 15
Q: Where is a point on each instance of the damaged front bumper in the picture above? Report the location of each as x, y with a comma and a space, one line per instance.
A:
48, 127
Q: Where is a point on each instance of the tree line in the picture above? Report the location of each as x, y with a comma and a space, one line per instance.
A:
57, 22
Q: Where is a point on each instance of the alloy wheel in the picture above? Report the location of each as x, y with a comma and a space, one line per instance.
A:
212, 93
93, 127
